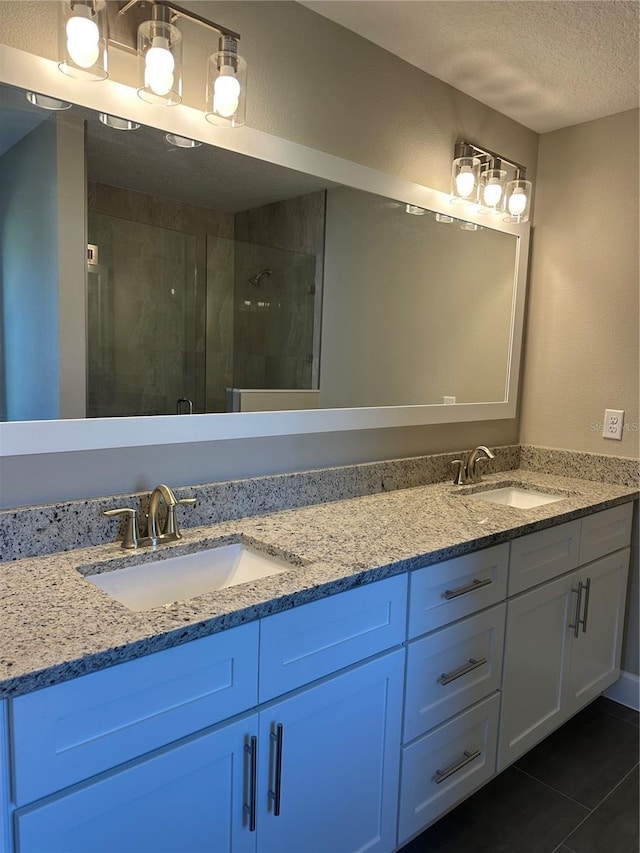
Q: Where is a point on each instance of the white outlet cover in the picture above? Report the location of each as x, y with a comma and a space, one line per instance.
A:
613, 423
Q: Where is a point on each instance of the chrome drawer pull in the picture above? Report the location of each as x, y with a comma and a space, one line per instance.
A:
250, 808
276, 793
448, 677
463, 590
576, 618
587, 593
441, 775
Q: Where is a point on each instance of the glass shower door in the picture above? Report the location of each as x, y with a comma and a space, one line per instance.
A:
141, 318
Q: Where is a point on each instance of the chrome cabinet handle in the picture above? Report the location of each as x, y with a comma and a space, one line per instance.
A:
276, 792
448, 677
249, 808
587, 593
576, 618
463, 590
441, 775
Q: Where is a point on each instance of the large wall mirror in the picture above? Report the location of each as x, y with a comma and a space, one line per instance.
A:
143, 277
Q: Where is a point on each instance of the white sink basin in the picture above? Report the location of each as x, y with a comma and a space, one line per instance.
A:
159, 582
516, 496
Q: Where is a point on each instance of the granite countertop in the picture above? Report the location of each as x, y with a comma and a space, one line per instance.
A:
56, 625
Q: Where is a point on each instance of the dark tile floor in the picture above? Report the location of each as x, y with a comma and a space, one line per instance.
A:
576, 792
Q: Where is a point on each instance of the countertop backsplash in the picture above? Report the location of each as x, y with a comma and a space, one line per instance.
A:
37, 530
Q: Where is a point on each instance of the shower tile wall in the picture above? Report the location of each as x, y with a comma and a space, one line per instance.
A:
277, 325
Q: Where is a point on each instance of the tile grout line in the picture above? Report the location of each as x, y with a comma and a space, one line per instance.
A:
617, 785
555, 790
616, 717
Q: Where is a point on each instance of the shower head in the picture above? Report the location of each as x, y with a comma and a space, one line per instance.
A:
255, 279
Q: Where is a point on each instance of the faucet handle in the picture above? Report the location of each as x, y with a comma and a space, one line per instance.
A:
459, 478
171, 524
131, 532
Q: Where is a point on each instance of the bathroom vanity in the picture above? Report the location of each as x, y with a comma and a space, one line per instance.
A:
424, 641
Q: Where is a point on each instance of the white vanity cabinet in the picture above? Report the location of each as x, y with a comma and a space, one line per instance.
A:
313, 770
563, 638
349, 723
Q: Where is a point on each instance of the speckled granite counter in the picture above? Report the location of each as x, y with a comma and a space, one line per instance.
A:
55, 625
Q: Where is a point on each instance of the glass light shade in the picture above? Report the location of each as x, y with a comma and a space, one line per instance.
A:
445, 218
517, 201
226, 89
83, 39
464, 180
414, 209
159, 63
491, 190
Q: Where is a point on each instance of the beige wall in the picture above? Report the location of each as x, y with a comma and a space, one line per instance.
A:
582, 337
316, 83
581, 352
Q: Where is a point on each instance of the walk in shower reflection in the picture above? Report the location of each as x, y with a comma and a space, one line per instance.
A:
172, 313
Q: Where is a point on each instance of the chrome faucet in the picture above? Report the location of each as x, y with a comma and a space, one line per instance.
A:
468, 468
155, 535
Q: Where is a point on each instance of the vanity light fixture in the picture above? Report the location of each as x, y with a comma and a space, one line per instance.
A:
465, 170
226, 85
118, 123
45, 102
479, 177
182, 141
159, 49
88, 26
491, 187
517, 201
160, 58
83, 38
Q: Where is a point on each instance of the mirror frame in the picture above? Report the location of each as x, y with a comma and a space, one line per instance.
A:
30, 72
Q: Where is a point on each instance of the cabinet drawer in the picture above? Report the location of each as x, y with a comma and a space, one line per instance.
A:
605, 532
71, 731
301, 645
452, 669
445, 766
544, 555
456, 588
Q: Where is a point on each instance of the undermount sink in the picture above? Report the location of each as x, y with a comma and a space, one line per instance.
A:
516, 496
152, 584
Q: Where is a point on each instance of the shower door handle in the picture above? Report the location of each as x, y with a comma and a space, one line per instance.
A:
179, 406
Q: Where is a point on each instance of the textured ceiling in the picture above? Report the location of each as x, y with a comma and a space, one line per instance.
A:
545, 64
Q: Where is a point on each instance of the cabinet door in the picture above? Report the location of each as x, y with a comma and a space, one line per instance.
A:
335, 787
537, 647
189, 797
595, 652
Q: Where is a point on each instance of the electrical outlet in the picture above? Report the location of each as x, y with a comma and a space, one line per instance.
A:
448, 401
613, 421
